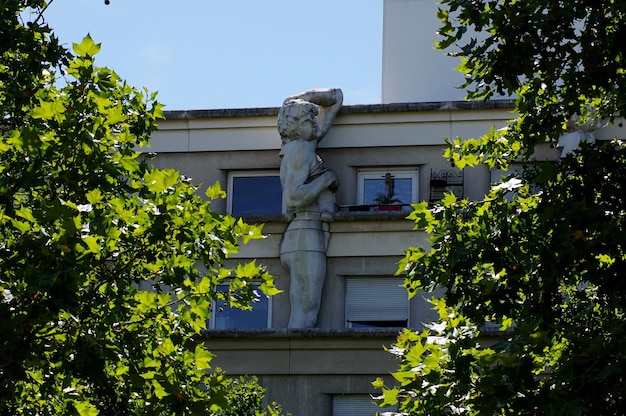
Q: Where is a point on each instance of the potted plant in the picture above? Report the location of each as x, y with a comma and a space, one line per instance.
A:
388, 202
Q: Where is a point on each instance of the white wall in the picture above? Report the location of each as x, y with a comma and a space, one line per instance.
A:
413, 70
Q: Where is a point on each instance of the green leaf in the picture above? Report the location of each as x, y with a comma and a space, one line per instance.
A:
506, 324
202, 357
20, 225
159, 391
421, 214
378, 383
248, 231
86, 409
248, 270
159, 180
269, 289
204, 286
390, 397
87, 48
114, 115
146, 301
130, 163
449, 199
92, 243
46, 110
94, 196
167, 347
148, 375
121, 370
26, 213
215, 191
4, 146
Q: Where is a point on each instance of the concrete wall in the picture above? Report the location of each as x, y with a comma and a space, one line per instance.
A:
413, 70
303, 369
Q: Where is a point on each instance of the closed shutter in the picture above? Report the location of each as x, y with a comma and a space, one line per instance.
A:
355, 405
376, 299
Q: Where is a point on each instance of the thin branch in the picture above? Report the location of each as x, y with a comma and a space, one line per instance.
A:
40, 15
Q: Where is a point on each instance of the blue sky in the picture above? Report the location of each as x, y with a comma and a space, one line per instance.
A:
208, 54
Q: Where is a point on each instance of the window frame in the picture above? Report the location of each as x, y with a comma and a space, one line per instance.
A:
377, 173
230, 194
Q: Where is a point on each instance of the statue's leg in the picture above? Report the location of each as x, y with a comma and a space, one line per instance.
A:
308, 272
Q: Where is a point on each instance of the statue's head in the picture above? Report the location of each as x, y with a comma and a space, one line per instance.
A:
292, 115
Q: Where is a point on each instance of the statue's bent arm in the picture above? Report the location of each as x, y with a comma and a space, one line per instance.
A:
329, 101
299, 190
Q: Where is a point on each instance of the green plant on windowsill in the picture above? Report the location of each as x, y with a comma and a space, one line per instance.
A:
388, 202
386, 199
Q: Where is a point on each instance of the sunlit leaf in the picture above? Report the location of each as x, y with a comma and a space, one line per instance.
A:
202, 357
87, 47
86, 409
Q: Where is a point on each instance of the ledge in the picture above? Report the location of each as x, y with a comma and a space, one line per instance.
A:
299, 333
265, 218
338, 216
320, 333
310, 351
347, 109
371, 216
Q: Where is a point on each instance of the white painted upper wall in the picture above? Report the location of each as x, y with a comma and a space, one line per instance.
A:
411, 127
413, 70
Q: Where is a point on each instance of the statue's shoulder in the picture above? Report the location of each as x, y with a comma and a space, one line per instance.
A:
296, 147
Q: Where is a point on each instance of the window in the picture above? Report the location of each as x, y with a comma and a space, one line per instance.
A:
376, 302
225, 317
401, 185
254, 193
356, 405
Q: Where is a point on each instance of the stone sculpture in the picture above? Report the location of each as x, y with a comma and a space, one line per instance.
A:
309, 193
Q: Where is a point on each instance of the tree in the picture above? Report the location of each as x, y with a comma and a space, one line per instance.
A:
245, 397
108, 265
542, 254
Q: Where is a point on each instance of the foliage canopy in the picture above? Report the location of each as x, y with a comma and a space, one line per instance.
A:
542, 255
108, 265
557, 58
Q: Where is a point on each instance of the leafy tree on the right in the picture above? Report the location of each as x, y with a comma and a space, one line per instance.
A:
543, 254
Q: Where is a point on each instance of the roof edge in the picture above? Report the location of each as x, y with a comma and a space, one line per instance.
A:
346, 109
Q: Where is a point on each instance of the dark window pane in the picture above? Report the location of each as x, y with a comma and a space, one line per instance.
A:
256, 195
402, 190
234, 318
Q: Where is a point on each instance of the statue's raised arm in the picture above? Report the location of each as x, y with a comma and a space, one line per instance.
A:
328, 100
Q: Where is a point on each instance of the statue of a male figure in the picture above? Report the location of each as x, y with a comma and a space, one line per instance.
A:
308, 192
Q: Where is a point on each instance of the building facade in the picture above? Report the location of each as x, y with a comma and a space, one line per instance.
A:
328, 370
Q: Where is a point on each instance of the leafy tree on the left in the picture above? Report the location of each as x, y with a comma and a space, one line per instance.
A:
107, 265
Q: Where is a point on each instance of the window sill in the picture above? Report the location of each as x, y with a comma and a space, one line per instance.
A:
300, 333
338, 216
